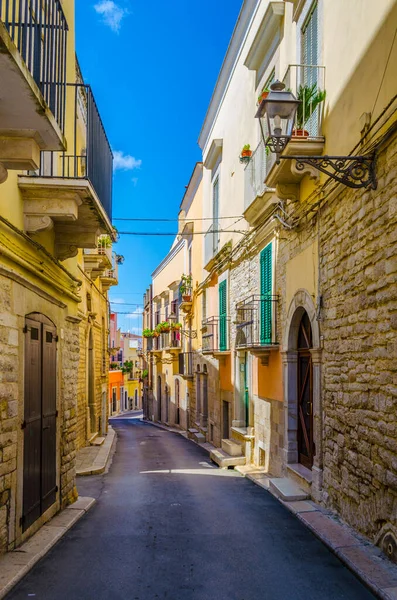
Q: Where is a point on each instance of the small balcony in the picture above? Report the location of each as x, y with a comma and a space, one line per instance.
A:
99, 259
256, 325
110, 276
33, 54
169, 341
72, 193
216, 336
259, 199
304, 81
185, 365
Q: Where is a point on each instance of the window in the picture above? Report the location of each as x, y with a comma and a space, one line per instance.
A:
266, 282
215, 215
309, 45
223, 316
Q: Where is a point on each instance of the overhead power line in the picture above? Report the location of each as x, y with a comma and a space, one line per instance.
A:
153, 233
175, 220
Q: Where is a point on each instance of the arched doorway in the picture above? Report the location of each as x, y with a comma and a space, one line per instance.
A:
91, 383
305, 393
177, 402
159, 398
40, 415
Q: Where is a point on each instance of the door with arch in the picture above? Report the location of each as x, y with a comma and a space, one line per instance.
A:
40, 414
306, 448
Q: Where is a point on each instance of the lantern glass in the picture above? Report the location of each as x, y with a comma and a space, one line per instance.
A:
277, 117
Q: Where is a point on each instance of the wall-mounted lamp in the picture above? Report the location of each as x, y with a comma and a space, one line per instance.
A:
277, 114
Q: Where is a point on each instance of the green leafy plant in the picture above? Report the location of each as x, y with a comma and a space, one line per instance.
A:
104, 241
114, 365
147, 333
176, 326
310, 97
186, 285
163, 327
145, 373
127, 367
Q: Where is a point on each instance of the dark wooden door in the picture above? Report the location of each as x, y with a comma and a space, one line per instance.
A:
39, 471
305, 394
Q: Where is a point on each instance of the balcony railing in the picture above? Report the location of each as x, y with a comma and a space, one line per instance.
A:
186, 364
255, 174
256, 322
39, 31
215, 335
303, 80
101, 249
95, 161
211, 243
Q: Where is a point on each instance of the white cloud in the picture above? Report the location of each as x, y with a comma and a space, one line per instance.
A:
136, 313
112, 13
125, 162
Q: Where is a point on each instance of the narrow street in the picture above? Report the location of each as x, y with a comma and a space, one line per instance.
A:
168, 524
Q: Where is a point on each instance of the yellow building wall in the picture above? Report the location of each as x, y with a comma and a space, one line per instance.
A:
302, 272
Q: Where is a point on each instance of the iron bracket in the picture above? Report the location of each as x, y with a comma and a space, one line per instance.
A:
353, 171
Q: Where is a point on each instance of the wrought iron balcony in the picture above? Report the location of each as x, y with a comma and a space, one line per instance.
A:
72, 193
256, 324
185, 364
170, 340
215, 335
33, 53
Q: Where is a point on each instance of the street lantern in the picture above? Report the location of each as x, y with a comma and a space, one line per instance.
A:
276, 115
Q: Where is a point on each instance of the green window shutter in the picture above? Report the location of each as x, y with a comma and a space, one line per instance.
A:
266, 295
222, 316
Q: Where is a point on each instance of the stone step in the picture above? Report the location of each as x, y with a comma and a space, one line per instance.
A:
224, 460
199, 438
98, 441
232, 447
286, 489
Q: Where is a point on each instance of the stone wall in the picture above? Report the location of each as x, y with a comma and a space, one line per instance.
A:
9, 370
358, 285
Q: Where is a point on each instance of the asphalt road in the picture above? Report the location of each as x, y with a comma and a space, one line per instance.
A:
170, 525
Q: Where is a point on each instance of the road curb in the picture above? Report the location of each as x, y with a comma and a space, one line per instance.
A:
16, 564
101, 460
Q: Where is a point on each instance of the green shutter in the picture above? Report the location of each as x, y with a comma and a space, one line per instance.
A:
266, 295
310, 45
222, 316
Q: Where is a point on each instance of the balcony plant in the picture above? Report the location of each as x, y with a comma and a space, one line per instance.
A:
147, 333
263, 95
163, 327
104, 241
186, 288
310, 97
246, 151
176, 326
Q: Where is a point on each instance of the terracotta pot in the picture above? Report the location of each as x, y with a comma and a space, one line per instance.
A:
177, 327
187, 298
262, 97
300, 133
246, 153
165, 330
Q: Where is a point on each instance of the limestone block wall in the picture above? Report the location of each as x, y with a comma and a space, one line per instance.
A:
358, 286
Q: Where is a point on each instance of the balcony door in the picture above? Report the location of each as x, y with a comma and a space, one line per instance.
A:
40, 413
305, 393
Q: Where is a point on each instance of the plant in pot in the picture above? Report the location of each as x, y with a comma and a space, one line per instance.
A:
186, 288
246, 154
310, 97
165, 327
177, 326
263, 95
104, 241
147, 333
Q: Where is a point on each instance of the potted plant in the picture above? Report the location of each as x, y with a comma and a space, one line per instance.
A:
177, 326
104, 241
263, 95
119, 259
310, 97
186, 288
156, 333
147, 333
165, 327
246, 151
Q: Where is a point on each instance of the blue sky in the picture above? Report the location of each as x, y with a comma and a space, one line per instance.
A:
152, 67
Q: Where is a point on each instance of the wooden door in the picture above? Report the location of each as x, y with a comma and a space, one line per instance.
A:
177, 402
39, 469
305, 394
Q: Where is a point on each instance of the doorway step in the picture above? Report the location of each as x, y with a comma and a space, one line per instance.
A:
229, 455
98, 441
286, 489
198, 435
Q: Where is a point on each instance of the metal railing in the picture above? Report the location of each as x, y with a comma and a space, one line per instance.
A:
185, 364
256, 321
255, 173
211, 334
39, 29
306, 81
101, 248
211, 243
95, 161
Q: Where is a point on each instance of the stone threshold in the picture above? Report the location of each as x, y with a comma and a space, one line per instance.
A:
16, 564
93, 460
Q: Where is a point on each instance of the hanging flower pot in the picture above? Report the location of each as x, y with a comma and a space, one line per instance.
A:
263, 95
